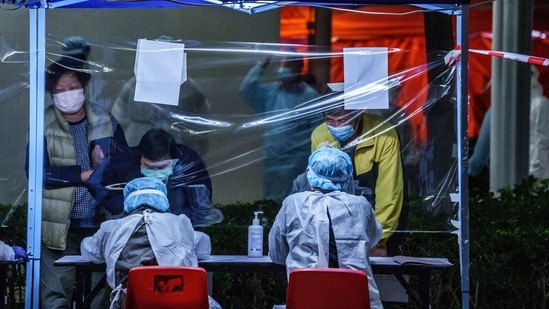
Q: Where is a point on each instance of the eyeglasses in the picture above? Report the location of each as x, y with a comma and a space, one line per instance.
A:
335, 121
155, 165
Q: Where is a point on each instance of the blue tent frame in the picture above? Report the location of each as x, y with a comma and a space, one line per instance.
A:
98, 4
37, 47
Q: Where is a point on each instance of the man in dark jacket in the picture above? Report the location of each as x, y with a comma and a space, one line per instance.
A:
178, 166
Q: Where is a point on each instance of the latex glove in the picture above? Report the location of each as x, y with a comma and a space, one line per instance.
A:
20, 253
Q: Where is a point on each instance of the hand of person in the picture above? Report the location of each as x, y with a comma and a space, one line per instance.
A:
85, 175
97, 155
266, 61
378, 251
20, 253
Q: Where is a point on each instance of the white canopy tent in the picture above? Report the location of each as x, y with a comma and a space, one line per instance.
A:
37, 24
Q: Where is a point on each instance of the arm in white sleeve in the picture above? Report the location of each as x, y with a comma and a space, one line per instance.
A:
278, 245
6, 252
376, 237
92, 249
539, 138
203, 245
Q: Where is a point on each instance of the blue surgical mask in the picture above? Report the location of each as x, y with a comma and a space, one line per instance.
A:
285, 75
342, 133
161, 174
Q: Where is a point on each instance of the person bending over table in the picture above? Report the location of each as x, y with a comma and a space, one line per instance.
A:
144, 233
327, 227
375, 149
178, 166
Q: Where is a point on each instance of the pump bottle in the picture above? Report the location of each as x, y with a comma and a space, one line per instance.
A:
255, 237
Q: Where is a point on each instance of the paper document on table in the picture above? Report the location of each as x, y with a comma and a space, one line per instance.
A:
401, 259
160, 69
336, 86
218, 258
72, 259
236, 259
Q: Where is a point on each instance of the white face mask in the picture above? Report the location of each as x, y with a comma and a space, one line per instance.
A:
69, 102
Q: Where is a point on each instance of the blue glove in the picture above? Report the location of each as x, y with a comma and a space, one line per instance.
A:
20, 253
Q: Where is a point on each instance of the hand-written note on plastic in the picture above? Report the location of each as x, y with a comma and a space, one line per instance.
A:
365, 73
160, 69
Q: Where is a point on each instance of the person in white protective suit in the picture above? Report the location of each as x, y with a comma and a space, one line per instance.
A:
539, 125
539, 135
327, 226
143, 236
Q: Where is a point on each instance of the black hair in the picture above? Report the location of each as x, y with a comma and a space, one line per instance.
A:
333, 109
157, 144
331, 103
62, 66
297, 59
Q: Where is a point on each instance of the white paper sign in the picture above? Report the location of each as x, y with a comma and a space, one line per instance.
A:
160, 69
336, 86
365, 73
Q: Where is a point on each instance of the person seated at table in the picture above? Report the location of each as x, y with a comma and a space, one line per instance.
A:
146, 235
178, 166
326, 226
12, 253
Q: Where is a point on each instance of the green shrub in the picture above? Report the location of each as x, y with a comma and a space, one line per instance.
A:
509, 239
14, 232
509, 245
14, 224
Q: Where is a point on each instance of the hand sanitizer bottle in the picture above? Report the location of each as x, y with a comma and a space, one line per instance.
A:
255, 237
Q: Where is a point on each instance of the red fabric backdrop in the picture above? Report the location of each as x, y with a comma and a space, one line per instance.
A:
396, 30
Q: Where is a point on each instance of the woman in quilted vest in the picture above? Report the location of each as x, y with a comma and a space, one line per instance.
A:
78, 138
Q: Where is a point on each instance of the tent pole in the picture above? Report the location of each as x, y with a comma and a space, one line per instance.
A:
510, 104
37, 26
463, 152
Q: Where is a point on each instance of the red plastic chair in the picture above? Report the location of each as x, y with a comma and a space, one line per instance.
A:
327, 288
167, 287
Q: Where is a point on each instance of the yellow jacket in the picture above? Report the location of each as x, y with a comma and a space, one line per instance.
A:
378, 164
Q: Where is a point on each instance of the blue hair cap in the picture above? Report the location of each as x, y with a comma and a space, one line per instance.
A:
145, 191
329, 169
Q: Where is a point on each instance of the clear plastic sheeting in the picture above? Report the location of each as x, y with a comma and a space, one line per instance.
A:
14, 102
248, 148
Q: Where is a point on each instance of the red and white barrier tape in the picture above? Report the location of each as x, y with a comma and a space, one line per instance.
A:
513, 56
453, 55
536, 35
